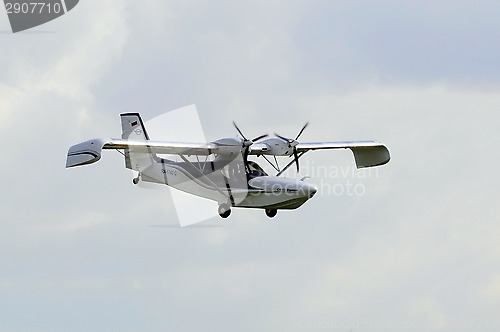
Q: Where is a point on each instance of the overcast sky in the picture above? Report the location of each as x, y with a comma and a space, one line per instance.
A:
85, 250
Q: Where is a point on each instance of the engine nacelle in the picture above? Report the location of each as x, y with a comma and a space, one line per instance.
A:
277, 146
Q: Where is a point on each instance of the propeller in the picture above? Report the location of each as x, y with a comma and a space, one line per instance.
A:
292, 143
246, 142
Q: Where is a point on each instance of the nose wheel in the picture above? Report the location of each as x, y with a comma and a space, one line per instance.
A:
271, 213
136, 180
224, 210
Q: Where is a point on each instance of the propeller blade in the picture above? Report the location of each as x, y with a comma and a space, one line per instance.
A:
245, 155
259, 137
296, 156
239, 131
284, 138
302, 130
293, 143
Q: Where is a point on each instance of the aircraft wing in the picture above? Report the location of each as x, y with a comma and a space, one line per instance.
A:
162, 147
366, 153
89, 152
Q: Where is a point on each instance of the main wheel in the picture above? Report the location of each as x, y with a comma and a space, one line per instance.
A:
224, 210
135, 180
271, 212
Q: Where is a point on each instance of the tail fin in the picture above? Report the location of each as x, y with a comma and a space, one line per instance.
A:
133, 129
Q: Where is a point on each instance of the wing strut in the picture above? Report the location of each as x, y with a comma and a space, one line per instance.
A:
201, 173
300, 154
276, 167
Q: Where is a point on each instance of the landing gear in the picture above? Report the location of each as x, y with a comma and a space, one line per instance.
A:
136, 180
224, 210
271, 213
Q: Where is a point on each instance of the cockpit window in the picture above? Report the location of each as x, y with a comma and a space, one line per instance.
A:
255, 169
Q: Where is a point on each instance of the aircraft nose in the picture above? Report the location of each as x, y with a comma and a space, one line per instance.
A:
309, 189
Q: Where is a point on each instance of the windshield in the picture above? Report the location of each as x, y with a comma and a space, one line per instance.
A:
255, 169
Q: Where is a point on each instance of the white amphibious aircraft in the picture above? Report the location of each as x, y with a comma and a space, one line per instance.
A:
223, 173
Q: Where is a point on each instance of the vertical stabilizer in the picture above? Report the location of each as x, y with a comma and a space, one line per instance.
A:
133, 129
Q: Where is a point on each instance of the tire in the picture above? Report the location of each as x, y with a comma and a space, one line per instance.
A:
271, 213
224, 210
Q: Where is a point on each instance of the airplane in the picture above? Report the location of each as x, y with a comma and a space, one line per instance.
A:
224, 173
